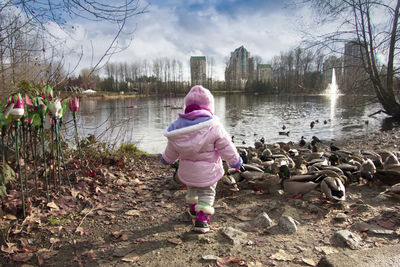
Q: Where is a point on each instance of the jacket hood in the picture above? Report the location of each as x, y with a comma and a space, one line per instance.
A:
201, 97
192, 138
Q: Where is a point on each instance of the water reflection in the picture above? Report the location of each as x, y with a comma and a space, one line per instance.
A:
247, 117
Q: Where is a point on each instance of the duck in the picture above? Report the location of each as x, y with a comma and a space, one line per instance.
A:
302, 142
243, 154
312, 124
333, 188
333, 147
393, 191
375, 157
284, 133
298, 185
283, 127
316, 140
391, 163
230, 182
367, 171
388, 177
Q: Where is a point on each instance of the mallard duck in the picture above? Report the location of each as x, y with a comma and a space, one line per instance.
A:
293, 152
389, 177
315, 140
391, 163
384, 154
298, 185
284, 133
229, 182
333, 188
243, 154
333, 147
367, 171
312, 124
375, 157
302, 142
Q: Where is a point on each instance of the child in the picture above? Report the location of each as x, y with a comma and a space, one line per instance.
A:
198, 140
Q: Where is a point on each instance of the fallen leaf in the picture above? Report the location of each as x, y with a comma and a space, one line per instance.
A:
310, 262
115, 208
130, 258
225, 262
10, 217
386, 224
326, 250
244, 218
81, 231
175, 241
74, 193
53, 205
10, 248
45, 253
132, 213
54, 240
22, 257
281, 255
90, 254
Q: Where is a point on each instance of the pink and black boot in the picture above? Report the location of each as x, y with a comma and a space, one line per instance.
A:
192, 202
203, 214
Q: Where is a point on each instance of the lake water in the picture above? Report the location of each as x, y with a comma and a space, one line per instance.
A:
246, 117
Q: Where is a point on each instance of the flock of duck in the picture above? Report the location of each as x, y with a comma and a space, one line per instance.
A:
301, 168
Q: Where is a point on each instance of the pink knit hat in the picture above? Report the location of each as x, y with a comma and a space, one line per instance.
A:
201, 97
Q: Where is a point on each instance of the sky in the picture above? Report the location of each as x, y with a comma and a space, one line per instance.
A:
179, 29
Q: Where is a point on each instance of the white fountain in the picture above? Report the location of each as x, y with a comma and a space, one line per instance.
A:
332, 92
332, 89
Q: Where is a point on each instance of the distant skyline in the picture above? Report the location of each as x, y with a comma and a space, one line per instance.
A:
179, 29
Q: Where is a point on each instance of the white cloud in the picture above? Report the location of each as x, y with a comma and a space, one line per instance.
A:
174, 31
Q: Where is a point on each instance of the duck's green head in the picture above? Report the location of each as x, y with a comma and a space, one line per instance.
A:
334, 159
284, 172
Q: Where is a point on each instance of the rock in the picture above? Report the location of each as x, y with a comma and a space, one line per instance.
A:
362, 207
340, 217
263, 220
371, 228
287, 224
345, 238
271, 205
209, 257
381, 256
237, 237
315, 209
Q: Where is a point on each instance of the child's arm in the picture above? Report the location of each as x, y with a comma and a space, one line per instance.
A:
227, 149
170, 155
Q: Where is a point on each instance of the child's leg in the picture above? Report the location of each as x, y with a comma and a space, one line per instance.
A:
204, 209
192, 200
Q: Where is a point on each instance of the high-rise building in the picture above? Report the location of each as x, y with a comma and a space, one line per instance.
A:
354, 74
240, 69
198, 70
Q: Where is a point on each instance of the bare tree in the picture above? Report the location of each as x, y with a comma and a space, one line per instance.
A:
27, 42
373, 27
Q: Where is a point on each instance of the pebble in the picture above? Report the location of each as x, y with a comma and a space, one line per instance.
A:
345, 238
287, 224
263, 220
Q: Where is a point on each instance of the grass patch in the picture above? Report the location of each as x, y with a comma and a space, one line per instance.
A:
130, 148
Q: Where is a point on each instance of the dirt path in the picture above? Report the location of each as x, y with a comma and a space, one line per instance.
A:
133, 214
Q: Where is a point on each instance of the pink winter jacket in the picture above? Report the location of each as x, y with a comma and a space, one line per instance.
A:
199, 146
